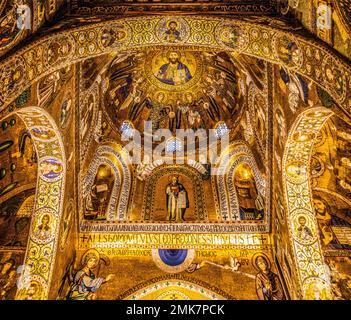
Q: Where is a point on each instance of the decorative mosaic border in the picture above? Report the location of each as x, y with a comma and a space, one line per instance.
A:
41, 248
205, 241
310, 266
126, 227
140, 6
177, 280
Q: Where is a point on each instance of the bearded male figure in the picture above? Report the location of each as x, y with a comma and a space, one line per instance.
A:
174, 72
176, 200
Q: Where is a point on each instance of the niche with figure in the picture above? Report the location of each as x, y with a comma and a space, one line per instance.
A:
174, 194
98, 198
251, 202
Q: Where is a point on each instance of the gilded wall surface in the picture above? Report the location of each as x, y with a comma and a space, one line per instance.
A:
101, 197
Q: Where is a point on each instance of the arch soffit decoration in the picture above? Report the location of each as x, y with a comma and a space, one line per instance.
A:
310, 58
148, 287
41, 247
149, 168
311, 269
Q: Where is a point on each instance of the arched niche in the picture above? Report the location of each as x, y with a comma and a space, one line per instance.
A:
117, 190
145, 170
97, 201
236, 157
250, 201
161, 184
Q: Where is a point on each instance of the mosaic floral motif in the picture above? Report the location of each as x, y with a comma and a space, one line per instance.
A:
302, 220
179, 283
232, 37
40, 255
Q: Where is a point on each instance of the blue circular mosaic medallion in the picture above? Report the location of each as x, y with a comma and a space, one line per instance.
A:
173, 260
173, 257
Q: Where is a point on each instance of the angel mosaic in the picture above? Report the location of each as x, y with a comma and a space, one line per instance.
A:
85, 282
267, 283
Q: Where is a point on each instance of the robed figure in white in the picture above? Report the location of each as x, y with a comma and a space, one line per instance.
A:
177, 200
